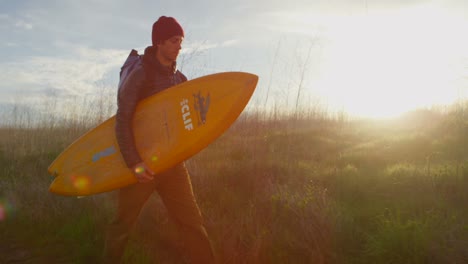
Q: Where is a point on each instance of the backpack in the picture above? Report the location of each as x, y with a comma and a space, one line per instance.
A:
129, 65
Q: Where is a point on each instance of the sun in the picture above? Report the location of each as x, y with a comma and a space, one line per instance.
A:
385, 64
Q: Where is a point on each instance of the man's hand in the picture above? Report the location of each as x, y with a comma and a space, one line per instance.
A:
143, 173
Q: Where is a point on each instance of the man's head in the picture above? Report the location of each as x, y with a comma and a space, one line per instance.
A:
165, 28
167, 36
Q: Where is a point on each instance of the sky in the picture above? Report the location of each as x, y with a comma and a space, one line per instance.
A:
375, 59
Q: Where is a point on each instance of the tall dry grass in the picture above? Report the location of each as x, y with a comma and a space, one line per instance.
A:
277, 187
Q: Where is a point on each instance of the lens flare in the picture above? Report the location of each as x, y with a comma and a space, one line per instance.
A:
81, 182
139, 169
154, 158
2, 212
6, 209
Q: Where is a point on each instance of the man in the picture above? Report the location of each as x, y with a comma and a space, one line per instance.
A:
156, 72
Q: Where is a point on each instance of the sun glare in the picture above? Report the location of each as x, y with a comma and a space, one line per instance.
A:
386, 63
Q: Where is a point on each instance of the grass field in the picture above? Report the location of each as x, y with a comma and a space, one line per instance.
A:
291, 189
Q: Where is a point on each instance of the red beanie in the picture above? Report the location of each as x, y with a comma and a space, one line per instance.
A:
165, 28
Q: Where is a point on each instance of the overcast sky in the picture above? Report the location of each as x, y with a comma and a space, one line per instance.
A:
365, 57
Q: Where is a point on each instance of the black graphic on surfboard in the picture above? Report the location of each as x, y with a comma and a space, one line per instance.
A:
202, 104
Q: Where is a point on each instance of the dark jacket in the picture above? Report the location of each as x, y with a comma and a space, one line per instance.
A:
148, 78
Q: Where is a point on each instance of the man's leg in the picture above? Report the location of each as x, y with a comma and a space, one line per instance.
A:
130, 201
175, 189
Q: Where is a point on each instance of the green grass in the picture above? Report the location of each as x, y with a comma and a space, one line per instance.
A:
271, 191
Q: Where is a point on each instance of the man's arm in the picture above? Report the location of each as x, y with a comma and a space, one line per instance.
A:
127, 100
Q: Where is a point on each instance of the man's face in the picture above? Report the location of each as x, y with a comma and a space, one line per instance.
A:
169, 49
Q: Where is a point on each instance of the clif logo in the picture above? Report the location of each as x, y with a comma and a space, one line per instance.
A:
186, 116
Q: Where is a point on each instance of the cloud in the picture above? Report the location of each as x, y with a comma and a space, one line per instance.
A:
11, 44
201, 46
8, 21
78, 74
229, 43
23, 25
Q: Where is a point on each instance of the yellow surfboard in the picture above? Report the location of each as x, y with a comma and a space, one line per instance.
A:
169, 127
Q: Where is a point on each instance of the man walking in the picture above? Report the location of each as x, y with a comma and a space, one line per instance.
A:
157, 71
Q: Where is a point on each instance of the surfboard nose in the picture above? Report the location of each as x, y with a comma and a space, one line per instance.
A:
251, 80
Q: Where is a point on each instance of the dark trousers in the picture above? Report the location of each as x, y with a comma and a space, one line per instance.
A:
175, 189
